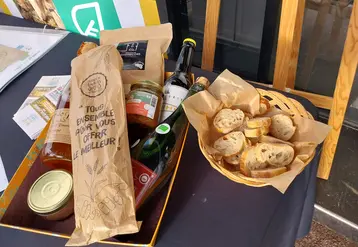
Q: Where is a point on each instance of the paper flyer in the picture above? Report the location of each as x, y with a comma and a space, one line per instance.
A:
36, 44
3, 178
45, 85
40, 105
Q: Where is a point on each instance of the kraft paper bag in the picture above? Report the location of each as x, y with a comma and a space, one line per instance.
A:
142, 50
102, 170
230, 91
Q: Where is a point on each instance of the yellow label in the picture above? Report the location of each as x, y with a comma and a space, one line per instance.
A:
44, 107
59, 130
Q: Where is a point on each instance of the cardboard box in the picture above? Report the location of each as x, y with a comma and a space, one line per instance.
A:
14, 212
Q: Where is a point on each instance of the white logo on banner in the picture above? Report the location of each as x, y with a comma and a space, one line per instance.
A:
90, 30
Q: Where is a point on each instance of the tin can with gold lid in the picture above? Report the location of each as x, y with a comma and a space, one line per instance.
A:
51, 195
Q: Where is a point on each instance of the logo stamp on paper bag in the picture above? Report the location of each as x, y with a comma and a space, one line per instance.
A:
94, 85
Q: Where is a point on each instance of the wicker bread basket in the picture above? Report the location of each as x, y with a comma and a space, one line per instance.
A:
276, 100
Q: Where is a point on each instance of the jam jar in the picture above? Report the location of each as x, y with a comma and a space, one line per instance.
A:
143, 106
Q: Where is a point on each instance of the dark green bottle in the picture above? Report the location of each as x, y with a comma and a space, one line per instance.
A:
150, 156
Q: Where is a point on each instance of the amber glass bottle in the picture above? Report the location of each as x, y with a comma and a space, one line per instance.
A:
56, 152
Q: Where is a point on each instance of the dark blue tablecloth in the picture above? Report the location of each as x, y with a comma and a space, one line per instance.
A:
205, 208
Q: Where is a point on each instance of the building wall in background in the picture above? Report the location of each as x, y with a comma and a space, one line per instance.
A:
239, 31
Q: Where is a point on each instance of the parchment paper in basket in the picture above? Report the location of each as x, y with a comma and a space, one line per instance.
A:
230, 90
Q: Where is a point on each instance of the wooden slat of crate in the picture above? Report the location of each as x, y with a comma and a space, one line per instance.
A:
210, 34
346, 74
289, 38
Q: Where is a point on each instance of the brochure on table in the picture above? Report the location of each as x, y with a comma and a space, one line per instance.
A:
36, 42
40, 105
3, 178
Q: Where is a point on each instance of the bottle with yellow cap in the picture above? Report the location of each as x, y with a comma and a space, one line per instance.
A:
177, 85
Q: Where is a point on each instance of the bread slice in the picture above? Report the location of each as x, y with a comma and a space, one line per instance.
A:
243, 126
227, 120
259, 122
268, 172
282, 127
270, 139
233, 160
256, 132
264, 106
275, 154
265, 130
252, 133
249, 162
230, 144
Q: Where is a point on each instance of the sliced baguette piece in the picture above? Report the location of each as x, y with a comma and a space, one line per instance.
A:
253, 133
230, 144
249, 162
243, 126
256, 132
259, 122
282, 127
270, 139
268, 172
233, 160
264, 106
226, 120
275, 154
265, 130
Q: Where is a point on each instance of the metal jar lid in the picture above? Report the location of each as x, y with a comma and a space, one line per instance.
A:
50, 192
147, 83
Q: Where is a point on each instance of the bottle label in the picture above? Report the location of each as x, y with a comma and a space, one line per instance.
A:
173, 96
143, 177
142, 103
59, 130
133, 54
163, 129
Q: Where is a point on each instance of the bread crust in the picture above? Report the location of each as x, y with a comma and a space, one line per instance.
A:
264, 106
268, 172
282, 127
230, 144
259, 122
227, 120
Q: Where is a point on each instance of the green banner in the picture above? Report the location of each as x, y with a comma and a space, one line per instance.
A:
88, 17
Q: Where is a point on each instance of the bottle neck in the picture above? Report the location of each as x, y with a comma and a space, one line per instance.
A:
185, 58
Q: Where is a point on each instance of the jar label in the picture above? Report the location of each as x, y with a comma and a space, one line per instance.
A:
59, 130
142, 103
133, 54
143, 178
173, 96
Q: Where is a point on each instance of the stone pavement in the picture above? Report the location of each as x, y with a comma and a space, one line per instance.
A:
321, 236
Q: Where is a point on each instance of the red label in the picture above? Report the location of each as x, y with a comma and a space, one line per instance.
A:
137, 108
142, 103
143, 178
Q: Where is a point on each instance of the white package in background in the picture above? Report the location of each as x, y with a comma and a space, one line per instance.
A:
3, 178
